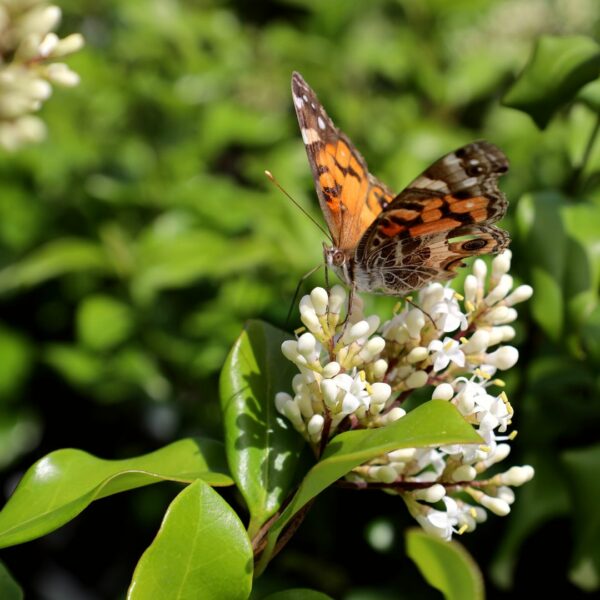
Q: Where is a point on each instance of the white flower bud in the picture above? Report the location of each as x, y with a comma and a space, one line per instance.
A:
68, 45
477, 343
385, 474
471, 288
380, 392
61, 74
499, 292
443, 391
501, 265
415, 320
495, 505
480, 271
417, 379
417, 354
331, 369
464, 473
281, 399
517, 476
520, 294
337, 297
315, 425
374, 347
505, 493
394, 414
402, 455
431, 494
499, 315
306, 344
504, 358
379, 368
30, 128
498, 455
292, 412
320, 300
308, 315
330, 392
373, 322
289, 349
358, 330
40, 20
304, 402
48, 44
39, 89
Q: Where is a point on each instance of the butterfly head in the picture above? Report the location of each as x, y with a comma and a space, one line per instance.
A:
339, 261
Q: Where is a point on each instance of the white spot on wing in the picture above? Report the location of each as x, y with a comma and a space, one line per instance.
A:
310, 136
298, 102
321, 123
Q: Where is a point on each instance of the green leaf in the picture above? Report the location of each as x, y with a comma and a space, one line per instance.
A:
447, 566
434, 423
200, 551
582, 468
63, 483
66, 255
262, 447
298, 594
542, 232
103, 322
9, 588
16, 353
558, 68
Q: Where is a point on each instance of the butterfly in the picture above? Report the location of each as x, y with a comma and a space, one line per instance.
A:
396, 243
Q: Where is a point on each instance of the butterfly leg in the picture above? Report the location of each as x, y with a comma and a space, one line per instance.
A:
297, 291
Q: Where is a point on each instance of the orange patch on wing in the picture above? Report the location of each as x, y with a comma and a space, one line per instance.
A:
431, 215
392, 229
342, 154
434, 227
466, 205
405, 213
326, 180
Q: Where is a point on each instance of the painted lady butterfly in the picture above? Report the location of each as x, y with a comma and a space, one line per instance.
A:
393, 244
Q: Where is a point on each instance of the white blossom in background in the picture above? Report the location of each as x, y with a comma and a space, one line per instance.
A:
30, 55
356, 375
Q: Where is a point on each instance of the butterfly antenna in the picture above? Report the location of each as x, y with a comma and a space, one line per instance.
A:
302, 280
278, 185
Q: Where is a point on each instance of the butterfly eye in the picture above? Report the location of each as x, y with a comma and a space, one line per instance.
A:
338, 258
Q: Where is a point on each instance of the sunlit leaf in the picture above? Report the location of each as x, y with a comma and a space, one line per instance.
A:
262, 447
103, 322
200, 551
63, 483
447, 566
558, 68
431, 424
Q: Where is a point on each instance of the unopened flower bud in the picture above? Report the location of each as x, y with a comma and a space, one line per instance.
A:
477, 343
443, 391
431, 494
505, 493
315, 425
517, 476
417, 354
417, 379
480, 271
504, 358
501, 265
68, 45
320, 300
470, 288
61, 74
496, 505
337, 297
464, 473
380, 368
499, 292
520, 294
395, 414
415, 320
281, 399
331, 369
330, 392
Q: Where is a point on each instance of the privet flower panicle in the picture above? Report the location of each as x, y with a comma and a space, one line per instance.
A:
29, 51
356, 374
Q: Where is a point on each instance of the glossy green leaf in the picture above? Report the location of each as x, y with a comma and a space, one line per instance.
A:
103, 322
9, 588
542, 231
582, 468
447, 566
434, 423
298, 594
200, 551
63, 483
558, 68
66, 255
262, 447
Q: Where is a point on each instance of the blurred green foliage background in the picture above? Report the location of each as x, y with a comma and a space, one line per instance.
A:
138, 238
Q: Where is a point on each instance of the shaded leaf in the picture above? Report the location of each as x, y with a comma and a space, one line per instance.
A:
63, 483
201, 551
558, 68
434, 423
262, 447
582, 468
447, 566
9, 588
298, 594
56, 258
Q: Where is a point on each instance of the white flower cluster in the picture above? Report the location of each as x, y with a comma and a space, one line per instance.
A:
356, 375
28, 51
